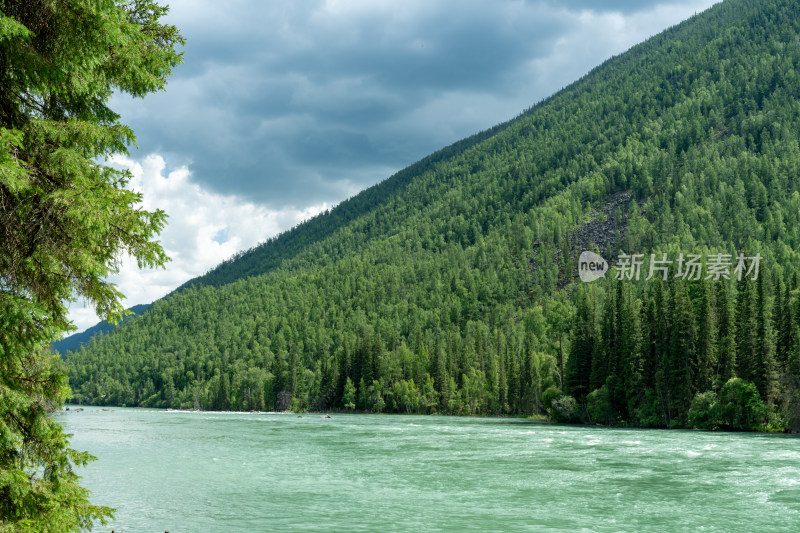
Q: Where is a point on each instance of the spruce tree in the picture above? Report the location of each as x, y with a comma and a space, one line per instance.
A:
682, 366
706, 339
527, 377
615, 352
514, 394
440, 377
764, 360
725, 367
579, 363
793, 359
661, 335
66, 219
628, 394
746, 367
606, 344
778, 324
787, 330
559, 318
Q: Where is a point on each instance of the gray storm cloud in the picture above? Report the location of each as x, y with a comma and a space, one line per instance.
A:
296, 103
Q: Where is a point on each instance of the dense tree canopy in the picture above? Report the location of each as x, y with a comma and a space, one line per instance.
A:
65, 218
452, 287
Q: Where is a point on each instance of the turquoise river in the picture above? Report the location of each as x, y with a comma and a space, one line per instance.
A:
205, 472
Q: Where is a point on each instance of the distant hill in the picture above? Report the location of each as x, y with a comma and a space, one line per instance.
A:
75, 341
453, 286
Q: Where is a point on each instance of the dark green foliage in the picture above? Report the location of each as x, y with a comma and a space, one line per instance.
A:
66, 219
740, 406
746, 364
725, 367
704, 412
706, 328
599, 407
681, 366
451, 287
74, 342
765, 372
579, 364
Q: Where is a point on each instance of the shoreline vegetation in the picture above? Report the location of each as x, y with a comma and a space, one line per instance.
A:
73, 407
538, 418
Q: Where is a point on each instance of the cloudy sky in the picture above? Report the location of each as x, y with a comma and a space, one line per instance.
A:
284, 108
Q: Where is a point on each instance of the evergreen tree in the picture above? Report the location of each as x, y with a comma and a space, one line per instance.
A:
746, 366
514, 389
682, 354
793, 359
631, 355
778, 325
66, 220
764, 360
607, 344
706, 339
725, 369
579, 364
440, 376
786, 336
503, 393
661, 339
327, 384
625, 381
559, 317
343, 373
527, 379
223, 401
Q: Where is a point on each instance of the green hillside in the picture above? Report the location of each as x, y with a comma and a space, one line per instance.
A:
453, 286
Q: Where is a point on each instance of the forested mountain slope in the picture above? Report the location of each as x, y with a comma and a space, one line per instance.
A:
454, 287
269, 255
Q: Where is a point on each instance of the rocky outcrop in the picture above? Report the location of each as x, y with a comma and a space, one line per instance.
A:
605, 228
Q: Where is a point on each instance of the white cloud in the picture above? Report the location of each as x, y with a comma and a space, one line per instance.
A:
203, 229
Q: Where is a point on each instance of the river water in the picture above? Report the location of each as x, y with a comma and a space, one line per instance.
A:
204, 472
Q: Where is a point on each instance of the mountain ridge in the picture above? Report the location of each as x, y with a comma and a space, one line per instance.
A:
76, 340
